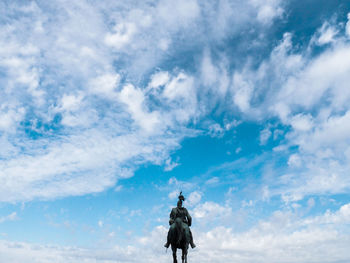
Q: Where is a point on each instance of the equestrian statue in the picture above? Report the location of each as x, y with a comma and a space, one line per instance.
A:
179, 234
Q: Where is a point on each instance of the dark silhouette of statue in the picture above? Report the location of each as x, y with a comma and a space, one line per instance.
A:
179, 234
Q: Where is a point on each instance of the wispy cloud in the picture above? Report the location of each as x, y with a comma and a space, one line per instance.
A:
75, 116
10, 217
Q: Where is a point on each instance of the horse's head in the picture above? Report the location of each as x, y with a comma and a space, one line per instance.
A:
178, 230
178, 222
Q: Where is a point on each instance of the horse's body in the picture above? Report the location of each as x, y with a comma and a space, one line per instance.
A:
179, 240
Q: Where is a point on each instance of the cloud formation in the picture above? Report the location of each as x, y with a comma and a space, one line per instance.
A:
284, 237
93, 90
72, 95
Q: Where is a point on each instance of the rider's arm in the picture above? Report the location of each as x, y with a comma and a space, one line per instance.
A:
172, 217
189, 218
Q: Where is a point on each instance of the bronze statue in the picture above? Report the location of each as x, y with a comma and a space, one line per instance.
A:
179, 234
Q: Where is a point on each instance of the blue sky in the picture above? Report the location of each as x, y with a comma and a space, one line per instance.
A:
109, 108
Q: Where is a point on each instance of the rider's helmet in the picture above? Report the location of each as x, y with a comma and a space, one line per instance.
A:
181, 197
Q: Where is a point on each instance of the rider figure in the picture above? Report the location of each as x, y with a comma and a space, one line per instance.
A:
180, 212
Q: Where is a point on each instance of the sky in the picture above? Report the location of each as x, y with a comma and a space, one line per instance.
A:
108, 109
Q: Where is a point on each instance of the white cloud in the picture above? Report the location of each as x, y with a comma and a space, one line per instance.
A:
265, 135
121, 36
19, 252
6, 147
170, 165
212, 180
10, 117
232, 124
182, 185
159, 79
71, 102
208, 70
180, 95
238, 150
11, 217
310, 94
326, 73
211, 212
294, 160
348, 26
134, 99
174, 194
84, 163
317, 177
327, 34
267, 10
243, 92
215, 130
194, 198
339, 217
301, 122
105, 85
284, 237
75, 111
79, 119
118, 188
322, 159
311, 202
179, 87
77, 90
181, 13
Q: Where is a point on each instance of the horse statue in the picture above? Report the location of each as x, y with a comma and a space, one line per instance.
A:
179, 241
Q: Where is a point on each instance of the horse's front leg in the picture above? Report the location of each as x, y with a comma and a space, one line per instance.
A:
174, 255
184, 255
